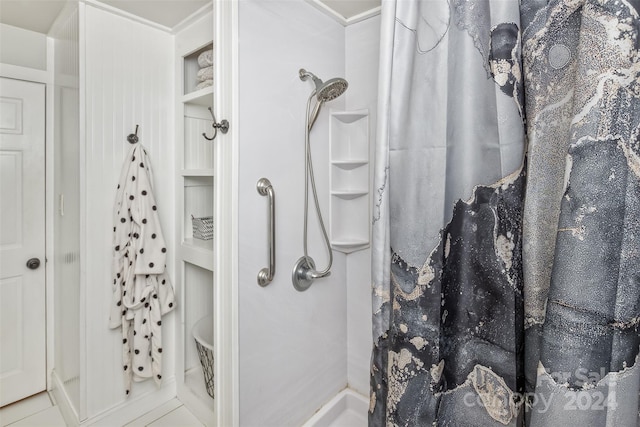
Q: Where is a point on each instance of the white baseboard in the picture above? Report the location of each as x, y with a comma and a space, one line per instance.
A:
118, 415
134, 407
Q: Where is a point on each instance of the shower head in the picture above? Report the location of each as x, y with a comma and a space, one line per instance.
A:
331, 89
325, 91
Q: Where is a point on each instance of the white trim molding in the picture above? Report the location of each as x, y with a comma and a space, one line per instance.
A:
24, 73
226, 216
192, 18
322, 7
119, 12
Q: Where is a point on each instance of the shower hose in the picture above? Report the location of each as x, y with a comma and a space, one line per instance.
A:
308, 170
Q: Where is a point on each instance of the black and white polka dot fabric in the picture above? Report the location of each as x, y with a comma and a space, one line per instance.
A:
142, 292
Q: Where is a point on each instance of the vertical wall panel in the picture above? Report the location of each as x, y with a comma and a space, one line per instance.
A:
67, 203
129, 81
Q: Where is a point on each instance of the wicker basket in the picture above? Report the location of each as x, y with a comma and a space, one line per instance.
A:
202, 227
203, 334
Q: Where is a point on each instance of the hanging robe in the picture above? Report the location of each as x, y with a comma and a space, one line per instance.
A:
142, 291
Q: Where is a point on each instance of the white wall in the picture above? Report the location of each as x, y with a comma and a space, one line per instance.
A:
129, 77
23, 47
292, 344
67, 207
362, 54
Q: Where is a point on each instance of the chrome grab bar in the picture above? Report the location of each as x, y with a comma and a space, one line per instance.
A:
265, 276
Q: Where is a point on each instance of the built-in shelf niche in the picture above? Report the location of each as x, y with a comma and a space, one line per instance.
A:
191, 68
195, 170
198, 298
198, 201
349, 180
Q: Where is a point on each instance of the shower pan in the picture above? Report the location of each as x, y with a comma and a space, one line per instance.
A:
304, 270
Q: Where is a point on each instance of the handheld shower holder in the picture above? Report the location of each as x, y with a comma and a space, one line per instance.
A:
304, 273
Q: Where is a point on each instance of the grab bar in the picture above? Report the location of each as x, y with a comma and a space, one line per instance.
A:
265, 276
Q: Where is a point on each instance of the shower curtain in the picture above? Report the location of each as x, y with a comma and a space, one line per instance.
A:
506, 228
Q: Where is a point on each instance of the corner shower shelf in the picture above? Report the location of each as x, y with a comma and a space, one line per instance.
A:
349, 194
349, 164
348, 246
349, 180
349, 116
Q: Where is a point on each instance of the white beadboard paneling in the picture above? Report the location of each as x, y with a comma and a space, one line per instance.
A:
129, 80
292, 345
198, 151
67, 218
362, 55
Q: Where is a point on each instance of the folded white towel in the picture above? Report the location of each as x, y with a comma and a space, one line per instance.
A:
205, 59
205, 74
204, 84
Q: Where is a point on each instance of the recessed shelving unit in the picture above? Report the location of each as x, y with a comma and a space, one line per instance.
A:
195, 197
349, 180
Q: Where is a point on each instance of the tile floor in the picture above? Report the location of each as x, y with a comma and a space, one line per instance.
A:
39, 411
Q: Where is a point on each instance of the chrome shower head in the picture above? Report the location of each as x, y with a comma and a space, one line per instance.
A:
331, 89
325, 91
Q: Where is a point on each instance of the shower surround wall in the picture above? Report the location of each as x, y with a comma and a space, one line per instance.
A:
362, 56
292, 344
297, 350
129, 79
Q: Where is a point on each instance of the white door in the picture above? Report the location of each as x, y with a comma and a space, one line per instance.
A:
22, 221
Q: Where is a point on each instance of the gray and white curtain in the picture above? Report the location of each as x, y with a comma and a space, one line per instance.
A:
506, 255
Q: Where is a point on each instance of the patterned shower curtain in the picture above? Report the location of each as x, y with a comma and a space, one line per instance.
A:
506, 229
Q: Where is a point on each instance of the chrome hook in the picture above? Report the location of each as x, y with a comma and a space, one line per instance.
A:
133, 138
223, 126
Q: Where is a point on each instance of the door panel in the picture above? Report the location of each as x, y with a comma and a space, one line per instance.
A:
22, 234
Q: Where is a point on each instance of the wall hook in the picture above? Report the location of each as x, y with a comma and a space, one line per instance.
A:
133, 138
223, 126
